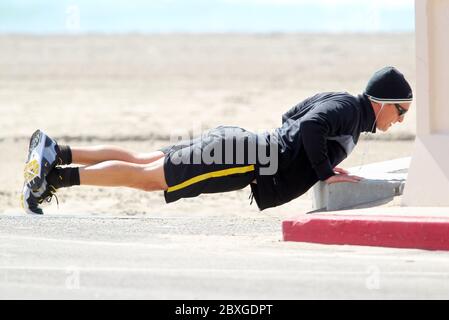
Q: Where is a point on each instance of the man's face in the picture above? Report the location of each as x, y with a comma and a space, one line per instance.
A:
389, 115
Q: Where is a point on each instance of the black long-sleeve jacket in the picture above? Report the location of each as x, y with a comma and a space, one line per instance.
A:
316, 135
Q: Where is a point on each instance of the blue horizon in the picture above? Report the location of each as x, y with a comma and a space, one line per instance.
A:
201, 16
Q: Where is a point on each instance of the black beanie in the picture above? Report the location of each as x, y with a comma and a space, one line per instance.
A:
388, 85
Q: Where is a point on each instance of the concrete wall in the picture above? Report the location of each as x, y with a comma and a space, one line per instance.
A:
428, 179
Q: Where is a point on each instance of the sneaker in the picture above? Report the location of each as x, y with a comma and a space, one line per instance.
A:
41, 159
30, 200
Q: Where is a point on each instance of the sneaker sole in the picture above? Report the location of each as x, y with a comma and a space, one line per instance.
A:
36, 170
28, 210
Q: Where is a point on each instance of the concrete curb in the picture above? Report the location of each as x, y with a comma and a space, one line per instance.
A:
429, 233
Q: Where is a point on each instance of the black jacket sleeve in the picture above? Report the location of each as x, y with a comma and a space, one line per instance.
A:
326, 120
295, 112
289, 114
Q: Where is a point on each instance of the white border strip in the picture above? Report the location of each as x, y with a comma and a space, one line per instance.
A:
379, 100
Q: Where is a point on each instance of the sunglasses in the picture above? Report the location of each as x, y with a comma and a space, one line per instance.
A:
401, 111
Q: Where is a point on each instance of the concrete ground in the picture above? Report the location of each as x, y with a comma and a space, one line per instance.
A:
200, 257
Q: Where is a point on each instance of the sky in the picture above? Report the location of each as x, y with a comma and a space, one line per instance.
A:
210, 16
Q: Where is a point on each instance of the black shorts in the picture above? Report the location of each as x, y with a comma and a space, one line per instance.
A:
217, 161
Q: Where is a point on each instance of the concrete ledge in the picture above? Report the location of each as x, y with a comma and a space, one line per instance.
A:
383, 180
430, 233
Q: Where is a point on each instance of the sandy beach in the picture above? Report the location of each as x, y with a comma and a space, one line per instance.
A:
142, 91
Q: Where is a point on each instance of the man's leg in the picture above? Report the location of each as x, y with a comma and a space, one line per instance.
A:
147, 177
45, 153
98, 154
112, 173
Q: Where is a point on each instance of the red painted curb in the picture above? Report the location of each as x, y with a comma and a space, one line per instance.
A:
430, 233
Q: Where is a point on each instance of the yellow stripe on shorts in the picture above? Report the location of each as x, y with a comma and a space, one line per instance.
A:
213, 174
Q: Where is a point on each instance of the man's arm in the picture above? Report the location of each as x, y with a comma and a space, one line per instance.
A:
325, 121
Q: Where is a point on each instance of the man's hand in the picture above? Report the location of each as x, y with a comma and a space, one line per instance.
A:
340, 170
342, 176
